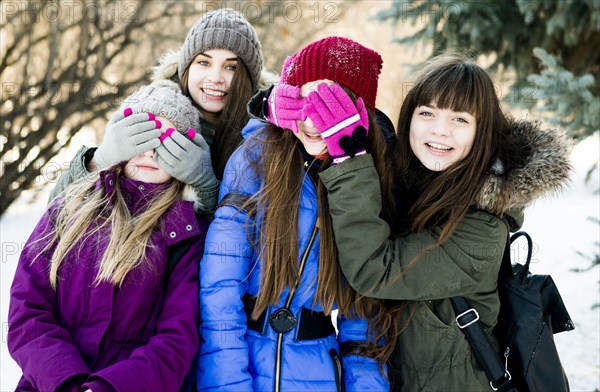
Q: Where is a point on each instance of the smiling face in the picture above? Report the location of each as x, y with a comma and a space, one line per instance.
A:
441, 137
309, 136
209, 80
144, 168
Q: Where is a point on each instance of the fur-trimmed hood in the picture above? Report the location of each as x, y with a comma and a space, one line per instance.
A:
546, 168
168, 64
167, 67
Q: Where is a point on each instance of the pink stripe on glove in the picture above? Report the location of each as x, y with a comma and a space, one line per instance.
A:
285, 107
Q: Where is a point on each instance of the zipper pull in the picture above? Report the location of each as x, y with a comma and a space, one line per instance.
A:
506, 354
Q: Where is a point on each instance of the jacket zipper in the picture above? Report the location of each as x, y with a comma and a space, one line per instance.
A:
288, 302
335, 358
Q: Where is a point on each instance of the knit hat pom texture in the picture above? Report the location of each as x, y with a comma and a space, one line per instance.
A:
228, 29
339, 59
164, 98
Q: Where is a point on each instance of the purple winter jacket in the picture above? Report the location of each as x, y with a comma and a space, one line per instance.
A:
141, 336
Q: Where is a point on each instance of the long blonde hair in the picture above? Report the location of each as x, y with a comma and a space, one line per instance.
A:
86, 209
280, 164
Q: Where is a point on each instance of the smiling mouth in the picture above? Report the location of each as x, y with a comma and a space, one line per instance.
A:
313, 137
214, 93
439, 147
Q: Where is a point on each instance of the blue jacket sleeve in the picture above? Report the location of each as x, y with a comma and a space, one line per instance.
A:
225, 266
360, 373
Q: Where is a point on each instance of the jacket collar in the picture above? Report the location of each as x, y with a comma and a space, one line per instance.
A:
137, 194
180, 223
177, 224
208, 130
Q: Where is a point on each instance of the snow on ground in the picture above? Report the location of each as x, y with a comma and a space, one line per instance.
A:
559, 226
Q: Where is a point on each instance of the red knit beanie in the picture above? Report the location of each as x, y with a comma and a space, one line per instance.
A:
338, 59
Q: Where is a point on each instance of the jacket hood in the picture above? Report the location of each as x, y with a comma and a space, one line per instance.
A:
168, 65
545, 170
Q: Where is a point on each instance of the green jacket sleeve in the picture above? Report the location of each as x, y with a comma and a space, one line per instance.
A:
76, 171
411, 267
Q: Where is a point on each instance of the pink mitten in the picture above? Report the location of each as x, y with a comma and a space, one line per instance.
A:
284, 106
342, 124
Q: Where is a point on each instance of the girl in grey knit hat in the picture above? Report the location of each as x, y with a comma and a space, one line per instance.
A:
219, 69
219, 66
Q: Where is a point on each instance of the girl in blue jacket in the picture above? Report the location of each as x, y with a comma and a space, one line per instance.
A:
270, 277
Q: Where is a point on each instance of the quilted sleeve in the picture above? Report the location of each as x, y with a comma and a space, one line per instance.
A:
225, 266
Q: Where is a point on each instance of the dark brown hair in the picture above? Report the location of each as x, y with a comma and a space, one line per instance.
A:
233, 117
451, 82
280, 165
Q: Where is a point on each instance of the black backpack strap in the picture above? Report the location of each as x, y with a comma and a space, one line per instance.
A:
467, 319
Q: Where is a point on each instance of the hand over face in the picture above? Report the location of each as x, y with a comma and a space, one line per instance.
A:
186, 157
342, 123
284, 106
126, 136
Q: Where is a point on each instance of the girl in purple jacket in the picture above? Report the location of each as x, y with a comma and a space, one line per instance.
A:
97, 303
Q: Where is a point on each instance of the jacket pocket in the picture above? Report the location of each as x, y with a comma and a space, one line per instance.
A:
428, 342
432, 323
337, 369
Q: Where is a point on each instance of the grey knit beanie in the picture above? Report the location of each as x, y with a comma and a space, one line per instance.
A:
164, 98
224, 28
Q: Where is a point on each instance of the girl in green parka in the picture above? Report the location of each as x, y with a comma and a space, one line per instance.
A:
464, 174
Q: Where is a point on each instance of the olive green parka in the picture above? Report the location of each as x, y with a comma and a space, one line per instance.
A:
432, 353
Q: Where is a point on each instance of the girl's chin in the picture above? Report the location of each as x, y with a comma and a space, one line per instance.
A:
211, 113
317, 152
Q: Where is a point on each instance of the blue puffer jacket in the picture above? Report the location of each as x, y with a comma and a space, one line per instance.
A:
234, 357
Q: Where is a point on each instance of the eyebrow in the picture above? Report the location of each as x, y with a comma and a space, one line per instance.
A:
456, 111
210, 57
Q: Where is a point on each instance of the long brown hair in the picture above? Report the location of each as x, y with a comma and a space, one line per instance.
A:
280, 165
87, 209
457, 83
233, 117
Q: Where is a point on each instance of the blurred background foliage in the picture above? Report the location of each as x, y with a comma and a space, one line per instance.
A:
65, 65
544, 48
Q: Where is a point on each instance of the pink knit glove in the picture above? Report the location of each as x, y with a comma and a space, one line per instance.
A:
284, 106
342, 124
